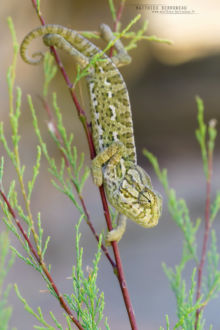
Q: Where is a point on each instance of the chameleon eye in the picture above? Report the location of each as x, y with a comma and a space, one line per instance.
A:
146, 199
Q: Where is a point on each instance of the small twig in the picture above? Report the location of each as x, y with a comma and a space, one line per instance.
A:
119, 14
86, 126
117, 21
206, 233
41, 262
53, 127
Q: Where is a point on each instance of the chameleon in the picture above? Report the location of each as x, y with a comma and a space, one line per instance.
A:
127, 186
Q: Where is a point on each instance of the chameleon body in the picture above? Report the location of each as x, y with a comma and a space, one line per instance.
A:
127, 185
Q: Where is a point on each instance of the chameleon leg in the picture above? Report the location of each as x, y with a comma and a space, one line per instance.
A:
122, 57
112, 154
60, 42
117, 233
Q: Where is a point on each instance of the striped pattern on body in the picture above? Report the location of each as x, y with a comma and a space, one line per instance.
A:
127, 185
109, 99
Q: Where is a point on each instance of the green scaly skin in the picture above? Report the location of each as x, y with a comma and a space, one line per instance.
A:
127, 185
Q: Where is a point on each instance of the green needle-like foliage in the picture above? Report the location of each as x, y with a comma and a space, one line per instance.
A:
187, 304
50, 71
69, 176
134, 37
212, 285
86, 299
75, 176
6, 262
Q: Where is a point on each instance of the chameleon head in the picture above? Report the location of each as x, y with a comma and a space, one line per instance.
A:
136, 198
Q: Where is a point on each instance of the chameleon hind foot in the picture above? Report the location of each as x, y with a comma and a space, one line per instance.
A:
117, 233
122, 57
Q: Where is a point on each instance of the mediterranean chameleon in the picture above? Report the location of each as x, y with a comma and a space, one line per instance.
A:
128, 187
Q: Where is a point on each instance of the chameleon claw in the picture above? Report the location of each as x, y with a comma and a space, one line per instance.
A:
117, 233
113, 236
97, 181
97, 175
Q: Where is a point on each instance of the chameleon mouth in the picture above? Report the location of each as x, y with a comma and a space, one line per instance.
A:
150, 222
152, 219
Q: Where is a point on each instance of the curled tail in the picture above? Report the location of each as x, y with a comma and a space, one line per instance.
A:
69, 35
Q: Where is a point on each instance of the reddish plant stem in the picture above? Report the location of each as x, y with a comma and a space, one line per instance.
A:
120, 271
119, 14
82, 116
206, 234
116, 23
41, 263
88, 218
80, 111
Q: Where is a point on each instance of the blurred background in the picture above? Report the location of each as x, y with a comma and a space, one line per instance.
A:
162, 82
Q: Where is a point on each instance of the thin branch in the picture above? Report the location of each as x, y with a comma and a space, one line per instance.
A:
88, 218
119, 14
117, 21
86, 126
41, 263
206, 233
120, 272
90, 224
80, 111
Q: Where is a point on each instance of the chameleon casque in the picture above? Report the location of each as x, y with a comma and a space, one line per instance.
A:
128, 187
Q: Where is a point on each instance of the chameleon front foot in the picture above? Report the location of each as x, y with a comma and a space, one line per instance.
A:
97, 174
117, 233
113, 154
